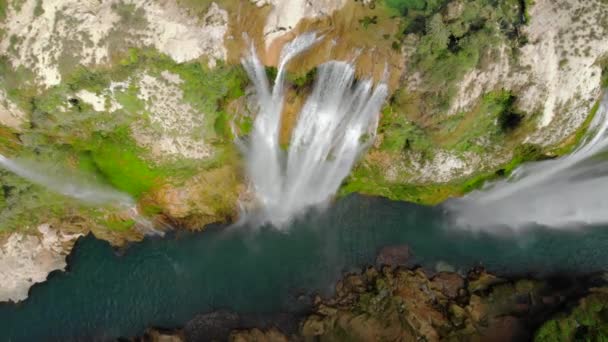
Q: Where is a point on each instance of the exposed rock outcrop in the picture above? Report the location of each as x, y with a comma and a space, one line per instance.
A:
410, 305
557, 73
52, 37
28, 259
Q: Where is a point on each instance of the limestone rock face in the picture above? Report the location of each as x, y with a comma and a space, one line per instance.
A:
28, 259
51, 37
286, 14
558, 71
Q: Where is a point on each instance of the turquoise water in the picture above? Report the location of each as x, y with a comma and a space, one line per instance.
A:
166, 282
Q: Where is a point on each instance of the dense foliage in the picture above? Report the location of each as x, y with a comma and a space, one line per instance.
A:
452, 37
68, 132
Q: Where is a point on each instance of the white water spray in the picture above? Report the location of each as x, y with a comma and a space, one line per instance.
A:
77, 187
325, 143
561, 193
69, 186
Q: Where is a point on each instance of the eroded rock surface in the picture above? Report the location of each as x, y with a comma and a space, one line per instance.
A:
28, 259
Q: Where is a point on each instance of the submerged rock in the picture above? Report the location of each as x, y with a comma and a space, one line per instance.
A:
398, 255
155, 335
215, 326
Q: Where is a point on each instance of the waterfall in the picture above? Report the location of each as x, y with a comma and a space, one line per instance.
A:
561, 193
76, 186
68, 185
328, 136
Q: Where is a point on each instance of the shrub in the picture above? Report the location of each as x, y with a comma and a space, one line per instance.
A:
604, 66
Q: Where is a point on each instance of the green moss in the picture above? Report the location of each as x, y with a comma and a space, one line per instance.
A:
222, 126
245, 125
400, 134
304, 80
587, 322
116, 157
369, 179
578, 137
119, 225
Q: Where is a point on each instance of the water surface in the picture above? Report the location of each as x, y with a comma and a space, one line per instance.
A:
166, 282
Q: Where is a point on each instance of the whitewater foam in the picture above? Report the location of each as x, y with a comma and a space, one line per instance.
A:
562, 193
336, 123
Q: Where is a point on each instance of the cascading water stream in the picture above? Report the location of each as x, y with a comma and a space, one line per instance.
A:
560, 193
325, 143
78, 188
71, 187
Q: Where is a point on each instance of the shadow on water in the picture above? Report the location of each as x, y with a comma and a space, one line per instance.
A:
166, 282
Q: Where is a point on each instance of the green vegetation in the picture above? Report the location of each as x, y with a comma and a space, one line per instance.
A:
38, 10
494, 121
452, 38
117, 158
119, 225
367, 21
3, 9
68, 132
19, 199
587, 322
370, 179
604, 65
303, 81
577, 138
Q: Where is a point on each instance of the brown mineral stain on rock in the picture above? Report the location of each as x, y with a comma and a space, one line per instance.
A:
346, 38
208, 197
246, 24
289, 117
448, 283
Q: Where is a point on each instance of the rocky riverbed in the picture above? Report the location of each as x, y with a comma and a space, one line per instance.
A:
394, 302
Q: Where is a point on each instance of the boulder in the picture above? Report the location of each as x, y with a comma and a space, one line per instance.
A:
396, 255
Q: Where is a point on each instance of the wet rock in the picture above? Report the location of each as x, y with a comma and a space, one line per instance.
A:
443, 266
215, 326
448, 283
257, 335
504, 329
397, 255
397, 304
480, 280
313, 326
155, 335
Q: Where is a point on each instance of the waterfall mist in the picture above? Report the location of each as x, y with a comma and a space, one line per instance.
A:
561, 193
77, 186
67, 184
328, 137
